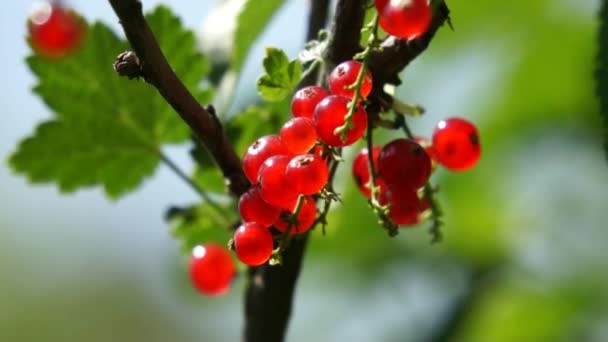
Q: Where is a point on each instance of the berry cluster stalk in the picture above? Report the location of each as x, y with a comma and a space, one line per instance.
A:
365, 58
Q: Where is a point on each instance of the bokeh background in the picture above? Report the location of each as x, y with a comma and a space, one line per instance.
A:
523, 259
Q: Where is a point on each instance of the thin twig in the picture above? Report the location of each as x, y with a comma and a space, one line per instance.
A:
204, 195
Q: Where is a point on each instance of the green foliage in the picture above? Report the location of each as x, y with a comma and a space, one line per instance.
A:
199, 223
281, 76
602, 69
250, 24
106, 130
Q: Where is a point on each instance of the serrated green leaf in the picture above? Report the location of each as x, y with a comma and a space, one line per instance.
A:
197, 224
281, 76
250, 23
107, 130
602, 69
51, 155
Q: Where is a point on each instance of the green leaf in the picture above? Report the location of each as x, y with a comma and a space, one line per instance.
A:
107, 130
200, 223
281, 76
250, 23
602, 69
206, 174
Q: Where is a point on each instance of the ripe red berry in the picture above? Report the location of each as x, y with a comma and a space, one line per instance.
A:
308, 173
427, 145
253, 244
456, 144
404, 204
404, 163
306, 217
211, 269
262, 149
55, 31
407, 19
299, 135
330, 114
305, 100
254, 209
275, 187
345, 75
361, 170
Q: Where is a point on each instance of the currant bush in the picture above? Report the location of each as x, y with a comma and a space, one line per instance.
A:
344, 76
330, 115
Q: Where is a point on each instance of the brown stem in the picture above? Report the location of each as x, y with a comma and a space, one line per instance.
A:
156, 70
346, 30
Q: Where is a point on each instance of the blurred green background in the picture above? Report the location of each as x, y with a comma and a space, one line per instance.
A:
525, 231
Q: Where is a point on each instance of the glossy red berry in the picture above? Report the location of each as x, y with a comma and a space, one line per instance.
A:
306, 217
262, 149
254, 209
299, 135
211, 269
305, 100
329, 115
253, 244
308, 173
427, 145
456, 144
55, 31
407, 19
361, 173
405, 206
275, 187
404, 163
345, 75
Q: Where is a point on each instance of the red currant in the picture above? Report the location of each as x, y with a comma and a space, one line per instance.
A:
262, 149
299, 135
345, 75
253, 243
427, 145
275, 187
211, 269
330, 114
456, 144
305, 100
55, 31
308, 173
407, 19
404, 204
306, 217
361, 169
404, 163
254, 209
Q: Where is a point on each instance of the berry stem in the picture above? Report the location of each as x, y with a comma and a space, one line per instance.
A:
277, 258
204, 195
381, 211
365, 57
329, 189
429, 194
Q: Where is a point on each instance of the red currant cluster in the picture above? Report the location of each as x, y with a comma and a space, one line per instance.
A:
405, 165
288, 169
54, 30
407, 19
